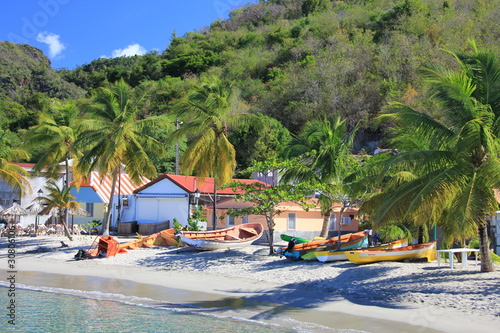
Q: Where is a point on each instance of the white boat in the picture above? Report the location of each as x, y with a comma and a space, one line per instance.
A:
234, 237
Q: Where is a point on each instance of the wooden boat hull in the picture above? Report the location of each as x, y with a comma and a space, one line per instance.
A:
418, 251
234, 237
348, 241
331, 255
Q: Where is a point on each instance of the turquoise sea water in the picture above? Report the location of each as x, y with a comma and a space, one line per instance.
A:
44, 309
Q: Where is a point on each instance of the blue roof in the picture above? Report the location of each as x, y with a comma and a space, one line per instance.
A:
86, 194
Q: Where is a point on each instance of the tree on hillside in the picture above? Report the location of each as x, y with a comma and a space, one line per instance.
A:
457, 175
323, 151
114, 139
208, 110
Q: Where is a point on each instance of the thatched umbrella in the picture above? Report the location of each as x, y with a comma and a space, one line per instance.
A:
13, 212
35, 209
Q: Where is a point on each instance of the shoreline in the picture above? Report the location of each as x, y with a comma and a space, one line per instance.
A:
408, 297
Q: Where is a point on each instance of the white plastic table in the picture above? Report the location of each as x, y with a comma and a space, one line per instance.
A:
452, 251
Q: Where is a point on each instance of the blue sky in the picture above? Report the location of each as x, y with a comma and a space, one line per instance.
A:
75, 32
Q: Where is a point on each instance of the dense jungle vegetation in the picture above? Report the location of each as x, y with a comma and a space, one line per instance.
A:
291, 61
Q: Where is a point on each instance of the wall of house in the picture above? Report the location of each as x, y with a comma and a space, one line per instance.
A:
161, 202
98, 214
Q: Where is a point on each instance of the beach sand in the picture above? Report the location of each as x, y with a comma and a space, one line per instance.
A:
381, 297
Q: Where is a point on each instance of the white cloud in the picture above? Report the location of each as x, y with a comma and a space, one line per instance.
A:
131, 50
52, 40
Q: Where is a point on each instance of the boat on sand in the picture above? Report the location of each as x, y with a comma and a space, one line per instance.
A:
412, 252
234, 237
348, 241
335, 255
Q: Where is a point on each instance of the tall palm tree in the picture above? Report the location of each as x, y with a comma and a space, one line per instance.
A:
56, 132
208, 112
323, 148
457, 175
115, 140
61, 200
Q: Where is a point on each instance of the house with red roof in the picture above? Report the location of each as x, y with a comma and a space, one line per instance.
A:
175, 196
170, 197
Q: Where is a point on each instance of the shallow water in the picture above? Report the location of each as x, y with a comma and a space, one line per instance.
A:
42, 311
54, 309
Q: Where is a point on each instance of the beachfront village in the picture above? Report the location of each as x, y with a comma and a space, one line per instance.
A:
341, 156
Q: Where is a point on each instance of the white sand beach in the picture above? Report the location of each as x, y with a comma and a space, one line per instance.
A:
380, 297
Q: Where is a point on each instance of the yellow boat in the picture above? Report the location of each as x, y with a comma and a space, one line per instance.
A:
417, 251
334, 255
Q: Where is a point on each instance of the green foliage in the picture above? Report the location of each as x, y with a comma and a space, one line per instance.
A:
394, 232
177, 225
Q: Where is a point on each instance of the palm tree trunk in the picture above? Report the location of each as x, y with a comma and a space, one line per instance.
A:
107, 220
484, 250
216, 156
65, 226
66, 185
326, 224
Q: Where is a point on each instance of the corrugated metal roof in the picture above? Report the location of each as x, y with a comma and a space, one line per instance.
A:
102, 186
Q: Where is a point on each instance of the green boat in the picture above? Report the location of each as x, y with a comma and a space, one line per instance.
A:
288, 238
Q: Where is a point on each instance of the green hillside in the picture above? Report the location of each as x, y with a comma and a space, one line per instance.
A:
292, 60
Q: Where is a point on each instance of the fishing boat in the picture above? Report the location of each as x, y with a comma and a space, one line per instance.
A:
417, 251
335, 255
234, 237
299, 240
348, 241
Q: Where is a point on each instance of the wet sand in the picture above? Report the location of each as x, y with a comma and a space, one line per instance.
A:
384, 297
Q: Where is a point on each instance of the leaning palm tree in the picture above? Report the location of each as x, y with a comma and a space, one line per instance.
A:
208, 111
12, 174
114, 139
457, 175
59, 199
323, 148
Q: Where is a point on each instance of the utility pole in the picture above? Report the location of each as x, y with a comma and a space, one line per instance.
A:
177, 123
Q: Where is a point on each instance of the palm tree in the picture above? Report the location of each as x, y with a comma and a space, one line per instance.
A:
56, 132
209, 109
60, 200
115, 140
456, 176
323, 148
14, 175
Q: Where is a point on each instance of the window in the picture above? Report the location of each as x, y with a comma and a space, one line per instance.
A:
4, 202
89, 207
292, 221
230, 220
244, 219
346, 220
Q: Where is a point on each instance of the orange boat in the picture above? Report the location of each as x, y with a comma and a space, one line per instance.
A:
348, 241
108, 246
